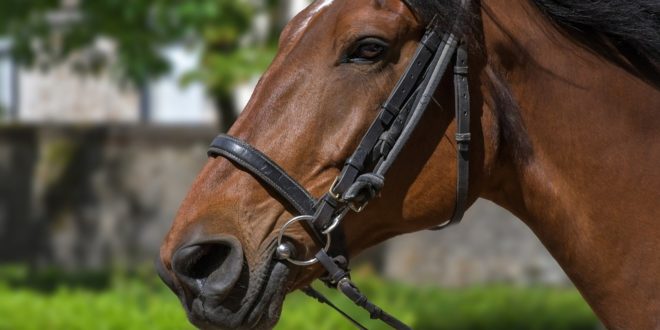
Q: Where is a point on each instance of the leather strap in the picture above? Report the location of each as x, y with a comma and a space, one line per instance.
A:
430, 84
463, 136
397, 101
318, 296
265, 169
339, 278
405, 94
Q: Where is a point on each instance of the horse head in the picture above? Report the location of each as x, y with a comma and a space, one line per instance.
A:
238, 244
337, 63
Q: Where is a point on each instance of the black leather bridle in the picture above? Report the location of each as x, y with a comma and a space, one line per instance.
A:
363, 174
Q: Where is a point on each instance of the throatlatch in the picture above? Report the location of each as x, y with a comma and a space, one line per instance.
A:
363, 174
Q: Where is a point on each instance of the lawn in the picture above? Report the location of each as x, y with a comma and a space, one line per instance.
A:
118, 300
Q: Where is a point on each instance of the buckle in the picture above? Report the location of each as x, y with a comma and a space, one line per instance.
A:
331, 192
335, 222
357, 209
463, 137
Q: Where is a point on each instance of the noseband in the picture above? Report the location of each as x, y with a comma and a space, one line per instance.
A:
363, 174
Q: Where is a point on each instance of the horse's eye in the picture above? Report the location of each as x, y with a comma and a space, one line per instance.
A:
367, 50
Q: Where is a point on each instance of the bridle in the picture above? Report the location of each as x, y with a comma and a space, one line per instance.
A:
363, 174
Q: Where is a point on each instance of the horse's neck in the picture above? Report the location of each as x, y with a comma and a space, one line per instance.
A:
582, 169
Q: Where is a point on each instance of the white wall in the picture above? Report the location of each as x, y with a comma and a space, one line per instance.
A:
295, 6
61, 96
5, 77
174, 103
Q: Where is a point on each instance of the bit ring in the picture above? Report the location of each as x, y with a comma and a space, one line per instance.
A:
280, 237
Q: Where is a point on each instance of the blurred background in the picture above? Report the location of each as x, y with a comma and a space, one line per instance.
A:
106, 110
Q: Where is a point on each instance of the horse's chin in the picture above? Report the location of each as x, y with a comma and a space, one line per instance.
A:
259, 307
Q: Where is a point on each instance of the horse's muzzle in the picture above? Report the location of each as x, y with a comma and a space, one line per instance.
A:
208, 269
217, 289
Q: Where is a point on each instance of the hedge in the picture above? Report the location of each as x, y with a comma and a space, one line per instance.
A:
53, 300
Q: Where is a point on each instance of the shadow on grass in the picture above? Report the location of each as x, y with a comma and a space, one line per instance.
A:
48, 280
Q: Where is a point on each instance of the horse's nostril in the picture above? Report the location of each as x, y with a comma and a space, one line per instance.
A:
209, 267
199, 261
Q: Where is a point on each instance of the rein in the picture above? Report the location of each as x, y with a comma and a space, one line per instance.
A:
363, 174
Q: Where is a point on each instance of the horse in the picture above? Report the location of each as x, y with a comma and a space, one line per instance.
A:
564, 98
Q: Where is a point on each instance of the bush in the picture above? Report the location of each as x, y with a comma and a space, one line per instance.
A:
483, 307
53, 300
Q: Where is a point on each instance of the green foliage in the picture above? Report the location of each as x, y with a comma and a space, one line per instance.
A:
45, 32
221, 71
55, 300
137, 300
481, 307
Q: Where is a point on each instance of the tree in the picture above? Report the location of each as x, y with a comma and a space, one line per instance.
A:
46, 32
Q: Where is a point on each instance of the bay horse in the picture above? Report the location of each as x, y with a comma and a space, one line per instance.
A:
564, 98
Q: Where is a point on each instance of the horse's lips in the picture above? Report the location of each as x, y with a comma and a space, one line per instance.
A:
271, 297
261, 311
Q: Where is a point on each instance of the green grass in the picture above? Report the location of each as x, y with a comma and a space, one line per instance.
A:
53, 300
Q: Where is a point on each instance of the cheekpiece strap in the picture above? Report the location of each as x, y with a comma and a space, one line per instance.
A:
463, 136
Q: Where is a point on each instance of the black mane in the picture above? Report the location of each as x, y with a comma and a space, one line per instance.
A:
626, 32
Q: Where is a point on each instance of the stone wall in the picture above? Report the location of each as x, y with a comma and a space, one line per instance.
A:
92, 197
489, 245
